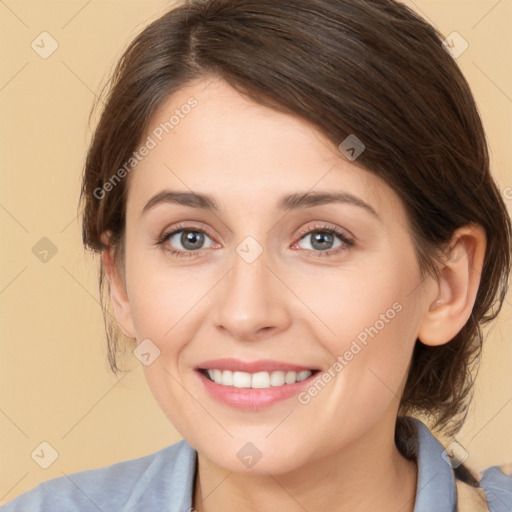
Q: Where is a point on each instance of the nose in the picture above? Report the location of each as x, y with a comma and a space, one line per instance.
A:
252, 301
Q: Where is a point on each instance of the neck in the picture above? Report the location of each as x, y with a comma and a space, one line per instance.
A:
370, 474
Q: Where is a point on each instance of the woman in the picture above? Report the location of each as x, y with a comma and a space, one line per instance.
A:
301, 240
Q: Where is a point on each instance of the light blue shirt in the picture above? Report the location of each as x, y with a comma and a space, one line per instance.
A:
163, 482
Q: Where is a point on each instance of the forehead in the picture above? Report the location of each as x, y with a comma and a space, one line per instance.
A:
210, 139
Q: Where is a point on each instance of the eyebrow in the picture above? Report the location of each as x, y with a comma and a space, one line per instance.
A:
289, 202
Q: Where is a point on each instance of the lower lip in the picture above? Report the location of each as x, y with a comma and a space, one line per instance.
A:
253, 399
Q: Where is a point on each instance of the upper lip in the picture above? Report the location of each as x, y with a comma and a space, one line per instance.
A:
251, 366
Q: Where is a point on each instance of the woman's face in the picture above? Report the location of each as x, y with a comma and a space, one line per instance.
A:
259, 285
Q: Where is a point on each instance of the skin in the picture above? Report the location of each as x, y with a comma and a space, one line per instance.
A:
289, 304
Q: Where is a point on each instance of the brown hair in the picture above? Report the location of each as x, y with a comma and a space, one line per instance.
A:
372, 68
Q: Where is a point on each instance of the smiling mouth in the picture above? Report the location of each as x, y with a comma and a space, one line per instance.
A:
257, 380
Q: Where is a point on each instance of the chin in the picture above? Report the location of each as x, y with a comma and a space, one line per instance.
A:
243, 456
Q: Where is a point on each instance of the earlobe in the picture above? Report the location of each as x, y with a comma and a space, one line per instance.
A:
453, 296
118, 294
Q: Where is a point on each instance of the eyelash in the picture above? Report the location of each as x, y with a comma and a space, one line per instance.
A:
346, 242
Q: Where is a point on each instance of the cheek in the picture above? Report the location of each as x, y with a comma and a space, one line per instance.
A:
372, 320
161, 296
359, 301
158, 299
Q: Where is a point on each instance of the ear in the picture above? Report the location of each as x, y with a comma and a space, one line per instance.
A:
117, 288
453, 295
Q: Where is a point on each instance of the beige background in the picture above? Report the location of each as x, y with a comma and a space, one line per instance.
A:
55, 384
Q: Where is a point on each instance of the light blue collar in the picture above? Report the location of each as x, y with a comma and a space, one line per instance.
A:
436, 489
435, 485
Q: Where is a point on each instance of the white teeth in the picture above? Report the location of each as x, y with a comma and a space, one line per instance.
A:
226, 379
303, 375
290, 377
277, 378
241, 380
259, 380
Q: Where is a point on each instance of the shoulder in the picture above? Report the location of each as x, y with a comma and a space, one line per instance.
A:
444, 482
153, 482
485, 491
496, 481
